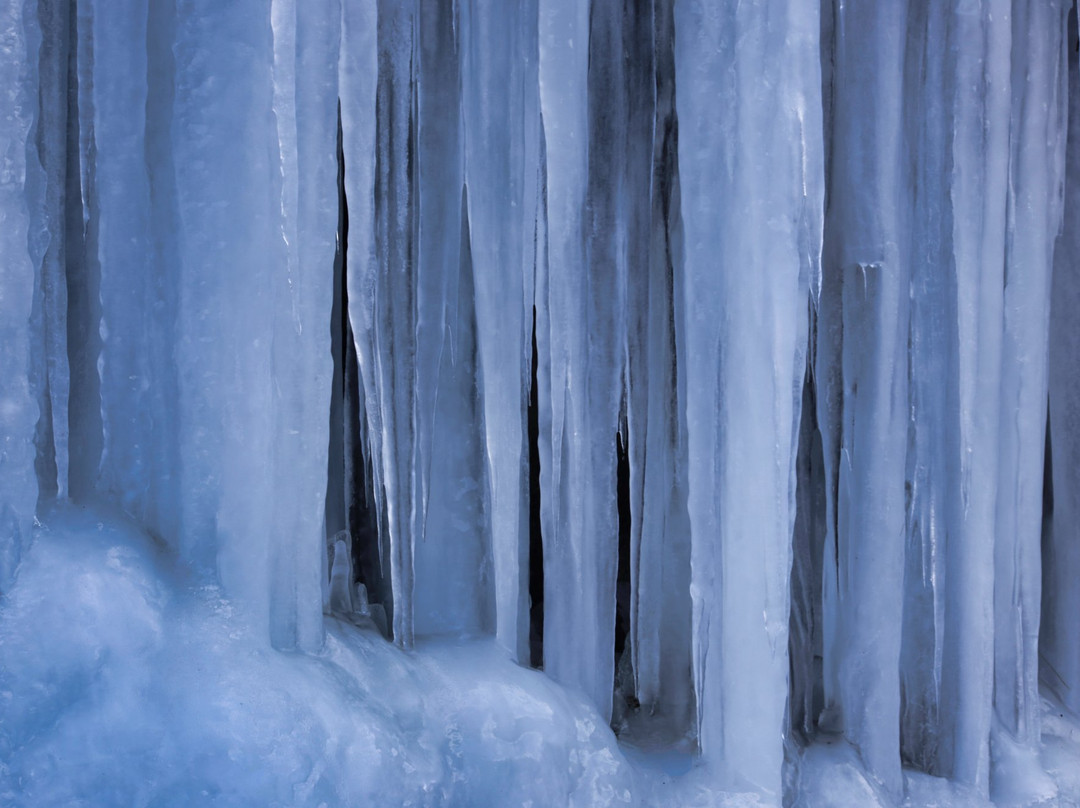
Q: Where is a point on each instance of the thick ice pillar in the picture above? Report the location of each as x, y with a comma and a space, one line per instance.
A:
750, 167
1059, 644
862, 360
656, 423
306, 43
18, 409
577, 424
932, 461
233, 258
977, 197
501, 128
452, 552
1033, 218
120, 199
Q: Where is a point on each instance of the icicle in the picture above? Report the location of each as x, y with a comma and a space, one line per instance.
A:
18, 409
358, 71
580, 537
1060, 631
229, 207
501, 142
647, 323
165, 275
49, 243
121, 200
1033, 219
747, 270
130, 268
864, 298
454, 586
305, 107
384, 282
83, 272
932, 464
977, 196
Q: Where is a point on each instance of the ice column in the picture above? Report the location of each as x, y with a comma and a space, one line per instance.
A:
578, 422
977, 197
863, 364
18, 409
1033, 218
46, 190
750, 167
404, 278
121, 201
660, 529
1060, 631
932, 462
130, 269
306, 43
358, 73
83, 276
454, 586
233, 261
501, 128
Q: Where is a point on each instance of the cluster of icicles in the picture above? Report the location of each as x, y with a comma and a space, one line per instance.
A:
800, 269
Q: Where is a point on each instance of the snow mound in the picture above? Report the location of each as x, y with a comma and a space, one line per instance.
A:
124, 681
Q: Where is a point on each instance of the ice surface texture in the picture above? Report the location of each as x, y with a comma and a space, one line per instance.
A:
155, 690
433, 272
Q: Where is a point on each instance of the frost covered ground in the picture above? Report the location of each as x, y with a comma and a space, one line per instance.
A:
125, 681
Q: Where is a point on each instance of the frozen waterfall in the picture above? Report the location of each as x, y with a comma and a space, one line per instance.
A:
717, 357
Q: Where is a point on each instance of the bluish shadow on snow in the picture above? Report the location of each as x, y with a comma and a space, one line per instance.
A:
123, 683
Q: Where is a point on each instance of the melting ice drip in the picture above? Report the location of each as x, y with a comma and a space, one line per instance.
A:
805, 261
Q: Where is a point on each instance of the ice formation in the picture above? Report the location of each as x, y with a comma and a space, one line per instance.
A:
718, 357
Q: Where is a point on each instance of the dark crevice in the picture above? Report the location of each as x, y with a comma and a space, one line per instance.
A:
350, 504
622, 587
624, 676
1049, 677
1048, 473
805, 638
536, 543
336, 493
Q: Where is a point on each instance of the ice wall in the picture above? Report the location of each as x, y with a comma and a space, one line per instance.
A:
935, 443
800, 263
180, 222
